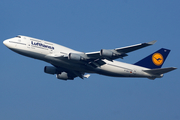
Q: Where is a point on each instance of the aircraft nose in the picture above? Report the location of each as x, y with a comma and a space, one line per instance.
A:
5, 42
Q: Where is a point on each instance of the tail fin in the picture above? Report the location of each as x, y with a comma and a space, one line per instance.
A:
154, 60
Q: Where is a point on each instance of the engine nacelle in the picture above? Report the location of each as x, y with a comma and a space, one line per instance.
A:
64, 76
50, 70
74, 56
107, 53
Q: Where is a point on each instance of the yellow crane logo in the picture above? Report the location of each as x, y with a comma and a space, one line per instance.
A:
157, 59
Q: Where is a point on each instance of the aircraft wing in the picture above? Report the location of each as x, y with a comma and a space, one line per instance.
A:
95, 58
112, 54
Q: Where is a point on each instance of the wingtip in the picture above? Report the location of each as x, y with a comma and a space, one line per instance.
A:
174, 68
152, 42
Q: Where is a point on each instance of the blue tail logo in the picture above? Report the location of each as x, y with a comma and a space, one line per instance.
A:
154, 60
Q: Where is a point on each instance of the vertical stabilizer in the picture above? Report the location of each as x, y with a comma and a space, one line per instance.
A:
155, 60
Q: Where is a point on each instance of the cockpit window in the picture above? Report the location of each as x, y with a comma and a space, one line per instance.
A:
18, 36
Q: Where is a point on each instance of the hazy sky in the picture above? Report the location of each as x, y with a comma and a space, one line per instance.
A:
27, 93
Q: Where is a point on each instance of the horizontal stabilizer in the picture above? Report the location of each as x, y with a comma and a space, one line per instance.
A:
159, 71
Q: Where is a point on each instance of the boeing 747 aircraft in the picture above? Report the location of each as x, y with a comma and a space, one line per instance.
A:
68, 64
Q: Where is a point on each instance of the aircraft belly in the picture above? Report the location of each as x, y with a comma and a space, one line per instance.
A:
116, 69
112, 71
29, 53
109, 73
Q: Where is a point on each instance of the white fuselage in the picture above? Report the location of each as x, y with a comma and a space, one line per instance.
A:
55, 54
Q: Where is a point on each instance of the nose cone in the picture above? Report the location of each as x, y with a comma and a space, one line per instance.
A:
5, 42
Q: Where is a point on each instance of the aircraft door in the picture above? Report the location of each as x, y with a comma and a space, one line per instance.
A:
28, 43
17, 42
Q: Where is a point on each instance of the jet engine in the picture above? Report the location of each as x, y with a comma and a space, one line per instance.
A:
74, 56
50, 70
64, 76
108, 53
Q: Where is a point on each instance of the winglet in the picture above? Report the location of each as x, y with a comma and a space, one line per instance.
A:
152, 42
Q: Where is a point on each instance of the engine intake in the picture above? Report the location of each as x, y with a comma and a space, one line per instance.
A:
50, 70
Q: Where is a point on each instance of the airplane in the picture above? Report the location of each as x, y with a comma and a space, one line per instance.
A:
68, 64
